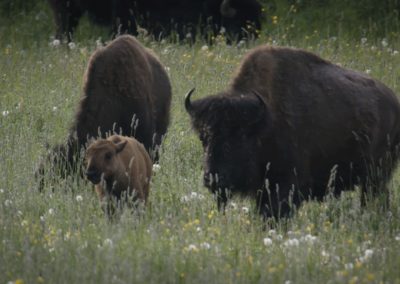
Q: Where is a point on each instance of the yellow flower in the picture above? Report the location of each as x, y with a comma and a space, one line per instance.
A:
40, 279
274, 19
19, 281
370, 277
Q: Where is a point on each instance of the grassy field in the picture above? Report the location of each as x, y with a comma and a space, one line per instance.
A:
62, 236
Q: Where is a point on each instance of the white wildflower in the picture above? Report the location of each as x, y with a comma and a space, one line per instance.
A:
19, 213
384, 42
189, 35
364, 40
55, 43
156, 168
291, 243
204, 48
198, 229
222, 30
368, 71
7, 203
55, 108
5, 113
108, 242
71, 45
397, 238
245, 210
1, 190
24, 223
192, 247
233, 205
373, 48
79, 198
367, 255
348, 266
309, 239
99, 43
267, 241
241, 43
205, 245
42, 218
395, 52
51, 211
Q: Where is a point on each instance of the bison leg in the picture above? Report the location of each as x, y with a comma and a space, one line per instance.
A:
222, 196
66, 15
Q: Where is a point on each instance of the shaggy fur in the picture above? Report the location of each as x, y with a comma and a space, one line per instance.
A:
120, 167
292, 126
162, 17
126, 91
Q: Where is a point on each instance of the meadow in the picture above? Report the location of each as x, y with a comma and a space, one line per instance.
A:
62, 236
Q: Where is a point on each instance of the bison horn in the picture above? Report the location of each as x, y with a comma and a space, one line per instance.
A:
188, 104
259, 97
227, 10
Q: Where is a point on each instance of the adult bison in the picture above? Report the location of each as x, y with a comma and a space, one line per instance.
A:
162, 17
126, 91
292, 126
117, 14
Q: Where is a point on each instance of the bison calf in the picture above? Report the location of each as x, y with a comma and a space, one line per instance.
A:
120, 168
292, 126
126, 91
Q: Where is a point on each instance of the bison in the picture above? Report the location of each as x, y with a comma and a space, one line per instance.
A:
126, 91
292, 126
120, 168
162, 17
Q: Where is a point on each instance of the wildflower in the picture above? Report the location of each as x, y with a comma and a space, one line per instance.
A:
205, 245
19, 281
5, 113
198, 229
267, 241
291, 243
79, 198
1, 190
204, 48
8, 202
384, 42
274, 19
367, 256
241, 43
156, 168
55, 43
108, 242
363, 40
55, 108
245, 210
192, 247
309, 239
222, 30
71, 45
348, 266
40, 279
368, 71
397, 238
51, 211
233, 205
395, 52
189, 35
99, 43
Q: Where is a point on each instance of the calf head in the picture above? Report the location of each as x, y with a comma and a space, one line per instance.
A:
232, 129
102, 161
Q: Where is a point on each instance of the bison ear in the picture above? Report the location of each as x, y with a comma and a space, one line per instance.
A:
121, 145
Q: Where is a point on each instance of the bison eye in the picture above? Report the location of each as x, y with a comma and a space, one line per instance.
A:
107, 156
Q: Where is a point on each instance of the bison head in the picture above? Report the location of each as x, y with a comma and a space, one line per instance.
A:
101, 160
232, 128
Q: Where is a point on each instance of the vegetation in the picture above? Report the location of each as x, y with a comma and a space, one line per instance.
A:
62, 236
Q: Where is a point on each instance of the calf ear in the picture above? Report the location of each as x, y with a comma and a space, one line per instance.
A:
120, 146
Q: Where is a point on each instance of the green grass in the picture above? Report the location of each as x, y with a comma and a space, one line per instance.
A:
62, 236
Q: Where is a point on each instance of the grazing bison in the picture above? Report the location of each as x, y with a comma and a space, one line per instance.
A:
292, 126
120, 168
126, 91
114, 13
241, 19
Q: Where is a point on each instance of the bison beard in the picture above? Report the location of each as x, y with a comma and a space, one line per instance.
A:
126, 91
291, 127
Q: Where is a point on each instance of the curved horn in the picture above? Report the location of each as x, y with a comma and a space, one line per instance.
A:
259, 97
188, 104
227, 10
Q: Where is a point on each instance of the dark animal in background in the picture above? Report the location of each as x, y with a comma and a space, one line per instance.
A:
117, 14
120, 168
161, 18
126, 91
292, 126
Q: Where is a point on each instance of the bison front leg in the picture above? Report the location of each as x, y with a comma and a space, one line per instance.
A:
222, 196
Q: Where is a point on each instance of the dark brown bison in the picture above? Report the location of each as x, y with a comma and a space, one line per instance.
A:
126, 91
120, 168
240, 19
292, 126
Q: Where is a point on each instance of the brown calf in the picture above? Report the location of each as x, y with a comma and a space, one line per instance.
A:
120, 167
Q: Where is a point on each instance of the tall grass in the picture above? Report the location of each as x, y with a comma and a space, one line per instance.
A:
62, 236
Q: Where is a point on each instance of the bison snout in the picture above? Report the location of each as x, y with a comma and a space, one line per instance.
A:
93, 176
